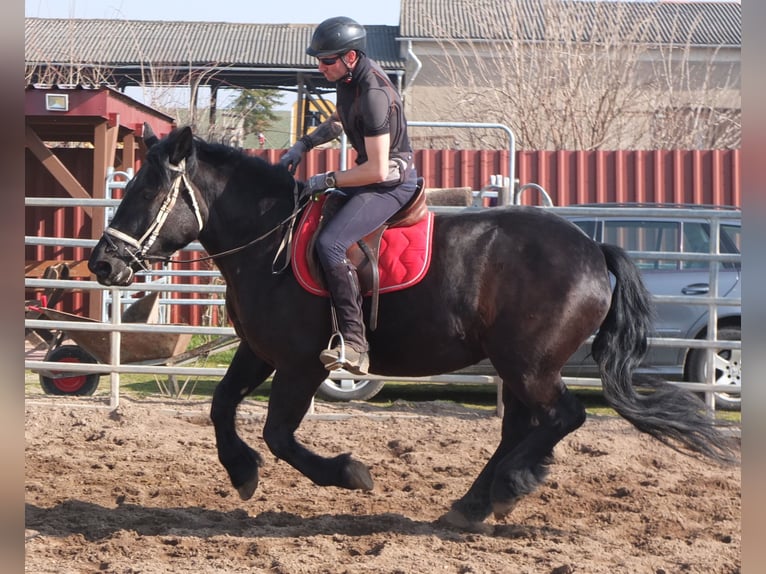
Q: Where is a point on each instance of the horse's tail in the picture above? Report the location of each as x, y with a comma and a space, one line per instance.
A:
671, 414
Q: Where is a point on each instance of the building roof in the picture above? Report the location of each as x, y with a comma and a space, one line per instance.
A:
664, 22
273, 55
86, 107
134, 49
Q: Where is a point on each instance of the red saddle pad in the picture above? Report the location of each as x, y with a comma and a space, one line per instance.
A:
405, 252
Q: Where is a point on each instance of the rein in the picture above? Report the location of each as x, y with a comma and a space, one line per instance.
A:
144, 243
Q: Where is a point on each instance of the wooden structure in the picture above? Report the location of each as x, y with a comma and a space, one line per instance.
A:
99, 119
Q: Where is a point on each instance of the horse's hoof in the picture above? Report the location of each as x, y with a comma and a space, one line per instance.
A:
247, 489
357, 476
456, 519
501, 509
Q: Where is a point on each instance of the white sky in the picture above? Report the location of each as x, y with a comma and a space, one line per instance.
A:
366, 12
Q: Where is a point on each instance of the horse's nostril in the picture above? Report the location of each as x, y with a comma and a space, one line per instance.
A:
100, 268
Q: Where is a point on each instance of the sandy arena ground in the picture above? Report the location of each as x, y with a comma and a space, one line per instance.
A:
142, 491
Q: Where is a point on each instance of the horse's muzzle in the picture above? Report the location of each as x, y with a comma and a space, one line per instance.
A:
109, 270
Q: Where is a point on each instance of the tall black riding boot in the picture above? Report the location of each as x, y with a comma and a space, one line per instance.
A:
350, 350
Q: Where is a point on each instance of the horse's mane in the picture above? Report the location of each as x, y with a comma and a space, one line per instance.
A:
270, 175
222, 152
252, 175
219, 154
247, 173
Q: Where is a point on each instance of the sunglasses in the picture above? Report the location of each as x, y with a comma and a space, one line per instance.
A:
329, 61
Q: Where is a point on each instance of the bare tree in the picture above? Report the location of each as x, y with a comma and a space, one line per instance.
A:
75, 70
585, 75
698, 103
175, 91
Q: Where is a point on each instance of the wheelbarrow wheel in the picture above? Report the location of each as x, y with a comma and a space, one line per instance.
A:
84, 384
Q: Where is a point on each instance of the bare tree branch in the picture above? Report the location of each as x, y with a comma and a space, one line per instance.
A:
594, 80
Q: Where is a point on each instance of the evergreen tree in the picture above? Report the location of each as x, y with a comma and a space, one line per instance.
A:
255, 108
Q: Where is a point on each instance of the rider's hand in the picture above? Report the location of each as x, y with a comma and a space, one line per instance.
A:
293, 156
319, 183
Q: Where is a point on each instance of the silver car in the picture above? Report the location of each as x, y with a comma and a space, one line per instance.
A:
668, 230
680, 232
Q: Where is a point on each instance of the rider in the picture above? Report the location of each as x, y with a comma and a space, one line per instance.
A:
370, 111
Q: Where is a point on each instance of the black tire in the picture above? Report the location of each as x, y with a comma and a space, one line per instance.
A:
77, 384
728, 369
349, 389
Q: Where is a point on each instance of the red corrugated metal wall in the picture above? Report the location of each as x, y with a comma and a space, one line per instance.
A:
574, 177
65, 222
570, 177
655, 176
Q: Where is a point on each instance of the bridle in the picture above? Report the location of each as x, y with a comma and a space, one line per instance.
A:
142, 245
181, 182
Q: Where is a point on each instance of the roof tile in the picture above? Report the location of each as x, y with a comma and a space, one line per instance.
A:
130, 42
695, 23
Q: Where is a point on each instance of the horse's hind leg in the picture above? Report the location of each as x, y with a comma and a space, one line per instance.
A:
291, 395
476, 504
524, 468
245, 373
520, 462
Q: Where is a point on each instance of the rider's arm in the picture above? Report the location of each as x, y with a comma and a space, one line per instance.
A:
375, 105
327, 131
374, 170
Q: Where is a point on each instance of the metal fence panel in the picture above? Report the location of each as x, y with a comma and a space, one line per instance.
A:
194, 294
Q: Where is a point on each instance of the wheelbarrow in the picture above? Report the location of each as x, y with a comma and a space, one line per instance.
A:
94, 347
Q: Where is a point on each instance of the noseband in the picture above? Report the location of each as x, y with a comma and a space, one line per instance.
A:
144, 243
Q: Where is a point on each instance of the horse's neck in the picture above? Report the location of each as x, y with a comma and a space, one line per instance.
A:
244, 223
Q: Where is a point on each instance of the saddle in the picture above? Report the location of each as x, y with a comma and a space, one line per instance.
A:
394, 256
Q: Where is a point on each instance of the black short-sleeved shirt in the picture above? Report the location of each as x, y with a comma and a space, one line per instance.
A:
369, 105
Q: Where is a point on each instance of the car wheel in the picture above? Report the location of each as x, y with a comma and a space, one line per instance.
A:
728, 368
75, 384
349, 389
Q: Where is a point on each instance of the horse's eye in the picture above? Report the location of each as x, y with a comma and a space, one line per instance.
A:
147, 189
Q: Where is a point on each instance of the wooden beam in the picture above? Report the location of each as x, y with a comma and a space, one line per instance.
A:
128, 152
57, 169
104, 152
213, 105
78, 269
193, 98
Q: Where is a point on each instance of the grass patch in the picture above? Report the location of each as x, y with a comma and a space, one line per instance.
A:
483, 397
472, 395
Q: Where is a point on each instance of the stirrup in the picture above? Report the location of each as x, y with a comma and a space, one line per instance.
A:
336, 364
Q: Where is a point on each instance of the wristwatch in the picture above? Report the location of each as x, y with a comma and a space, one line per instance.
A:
329, 179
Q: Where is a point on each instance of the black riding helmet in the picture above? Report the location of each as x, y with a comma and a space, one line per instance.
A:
337, 36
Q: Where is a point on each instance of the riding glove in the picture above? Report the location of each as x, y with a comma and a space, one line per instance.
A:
317, 184
293, 156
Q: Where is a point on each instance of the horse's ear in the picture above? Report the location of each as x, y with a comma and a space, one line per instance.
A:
184, 143
149, 138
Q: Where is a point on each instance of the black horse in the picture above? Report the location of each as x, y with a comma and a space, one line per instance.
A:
518, 285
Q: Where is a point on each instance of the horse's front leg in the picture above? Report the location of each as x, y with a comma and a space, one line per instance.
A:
244, 374
290, 398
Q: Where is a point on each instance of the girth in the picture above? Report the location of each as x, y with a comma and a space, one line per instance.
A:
364, 254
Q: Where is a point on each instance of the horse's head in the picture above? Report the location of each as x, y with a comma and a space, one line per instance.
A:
161, 211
